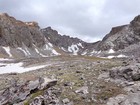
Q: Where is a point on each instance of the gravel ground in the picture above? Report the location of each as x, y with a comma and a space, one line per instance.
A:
77, 77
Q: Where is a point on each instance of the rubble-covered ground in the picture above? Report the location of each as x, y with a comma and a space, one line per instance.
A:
81, 80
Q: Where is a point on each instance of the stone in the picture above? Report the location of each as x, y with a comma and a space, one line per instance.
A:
130, 99
136, 77
67, 84
82, 90
77, 71
19, 92
66, 101
39, 100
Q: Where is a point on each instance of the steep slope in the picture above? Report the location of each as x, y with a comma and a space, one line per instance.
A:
22, 39
124, 39
68, 44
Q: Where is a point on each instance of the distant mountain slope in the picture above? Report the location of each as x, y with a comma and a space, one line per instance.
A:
68, 44
26, 39
22, 39
125, 39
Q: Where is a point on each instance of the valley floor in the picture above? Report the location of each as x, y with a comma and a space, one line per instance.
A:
78, 76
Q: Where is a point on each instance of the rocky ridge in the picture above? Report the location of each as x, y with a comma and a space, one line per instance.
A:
122, 40
66, 43
26, 39
22, 39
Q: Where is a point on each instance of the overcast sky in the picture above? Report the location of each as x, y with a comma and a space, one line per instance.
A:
89, 20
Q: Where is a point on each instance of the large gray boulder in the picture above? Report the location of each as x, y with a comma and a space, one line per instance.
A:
19, 92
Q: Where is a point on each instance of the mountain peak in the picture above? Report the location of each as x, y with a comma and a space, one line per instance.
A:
136, 21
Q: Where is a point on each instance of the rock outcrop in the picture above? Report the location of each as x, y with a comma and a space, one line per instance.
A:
18, 93
22, 39
128, 77
123, 39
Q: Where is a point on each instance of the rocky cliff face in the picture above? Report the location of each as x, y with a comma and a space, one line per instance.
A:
124, 38
22, 39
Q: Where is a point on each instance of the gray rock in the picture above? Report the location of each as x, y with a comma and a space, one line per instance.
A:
131, 99
136, 77
82, 90
38, 101
19, 92
66, 101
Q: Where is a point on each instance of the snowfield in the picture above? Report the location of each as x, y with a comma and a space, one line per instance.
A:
17, 67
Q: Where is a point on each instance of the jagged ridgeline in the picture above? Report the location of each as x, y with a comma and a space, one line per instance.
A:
22, 39
26, 39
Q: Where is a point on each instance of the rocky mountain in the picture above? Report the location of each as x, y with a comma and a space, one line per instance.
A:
22, 39
68, 44
123, 39
120, 42
26, 39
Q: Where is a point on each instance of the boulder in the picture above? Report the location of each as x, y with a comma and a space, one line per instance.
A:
19, 92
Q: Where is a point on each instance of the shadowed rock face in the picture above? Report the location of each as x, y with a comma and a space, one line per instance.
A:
15, 33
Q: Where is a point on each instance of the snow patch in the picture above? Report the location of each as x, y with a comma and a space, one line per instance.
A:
121, 56
46, 47
110, 57
54, 52
17, 67
73, 48
84, 53
79, 44
63, 49
118, 56
37, 51
50, 44
5, 59
95, 52
22, 50
27, 51
111, 51
7, 49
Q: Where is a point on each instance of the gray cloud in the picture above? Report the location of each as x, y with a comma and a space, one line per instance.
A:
89, 20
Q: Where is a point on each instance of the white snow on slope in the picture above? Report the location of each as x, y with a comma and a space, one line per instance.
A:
118, 56
27, 51
17, 68
79, 44
121, 56
7, 49
74, 49
111, 51
63, 49
84, 53
23, 51
49, 47
40, 53
5, 59
54, 52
